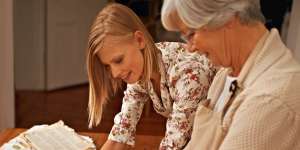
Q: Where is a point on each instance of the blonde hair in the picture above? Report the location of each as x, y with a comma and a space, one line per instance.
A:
120, 21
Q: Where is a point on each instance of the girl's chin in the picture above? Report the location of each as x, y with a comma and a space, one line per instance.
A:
131, 81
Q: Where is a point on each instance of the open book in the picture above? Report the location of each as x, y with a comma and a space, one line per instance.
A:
50, 137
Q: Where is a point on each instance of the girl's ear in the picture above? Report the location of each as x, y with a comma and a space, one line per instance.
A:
140, 39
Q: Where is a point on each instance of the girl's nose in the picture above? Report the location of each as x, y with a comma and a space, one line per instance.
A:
115, 72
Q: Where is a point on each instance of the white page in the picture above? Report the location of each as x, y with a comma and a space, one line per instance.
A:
57, 137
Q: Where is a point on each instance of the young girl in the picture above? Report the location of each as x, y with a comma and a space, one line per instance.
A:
121, 49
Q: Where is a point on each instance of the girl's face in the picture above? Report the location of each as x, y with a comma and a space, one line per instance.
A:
124, 57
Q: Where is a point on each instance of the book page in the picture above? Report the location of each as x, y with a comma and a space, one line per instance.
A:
57, 136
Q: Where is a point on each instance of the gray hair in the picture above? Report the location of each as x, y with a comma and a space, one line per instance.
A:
213, 13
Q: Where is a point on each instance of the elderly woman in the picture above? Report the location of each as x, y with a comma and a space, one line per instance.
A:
254, 100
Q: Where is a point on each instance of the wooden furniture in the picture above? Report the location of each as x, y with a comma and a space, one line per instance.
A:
143, 142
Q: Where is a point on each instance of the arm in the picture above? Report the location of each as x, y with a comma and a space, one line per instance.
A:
189, 84
262, 123
123, 132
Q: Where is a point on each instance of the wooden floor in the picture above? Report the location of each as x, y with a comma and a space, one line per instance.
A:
70, 105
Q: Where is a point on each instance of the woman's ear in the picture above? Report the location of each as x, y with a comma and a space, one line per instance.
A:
140, 39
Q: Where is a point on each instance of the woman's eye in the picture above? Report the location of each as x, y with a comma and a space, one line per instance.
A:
119, 60
190, 35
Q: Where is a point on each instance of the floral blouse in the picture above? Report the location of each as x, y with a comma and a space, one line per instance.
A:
185, 79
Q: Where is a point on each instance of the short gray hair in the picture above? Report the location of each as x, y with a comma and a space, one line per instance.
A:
213, 13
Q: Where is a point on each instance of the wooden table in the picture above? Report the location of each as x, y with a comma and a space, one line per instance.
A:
143, 142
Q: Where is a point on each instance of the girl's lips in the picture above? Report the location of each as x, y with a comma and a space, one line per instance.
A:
127, 76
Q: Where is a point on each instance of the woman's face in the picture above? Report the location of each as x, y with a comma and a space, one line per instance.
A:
210, 42
123, 57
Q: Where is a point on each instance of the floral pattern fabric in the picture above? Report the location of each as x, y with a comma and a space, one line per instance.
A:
185, 80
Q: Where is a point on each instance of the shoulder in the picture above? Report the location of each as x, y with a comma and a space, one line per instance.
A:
170, 47
177, 59
170, 51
